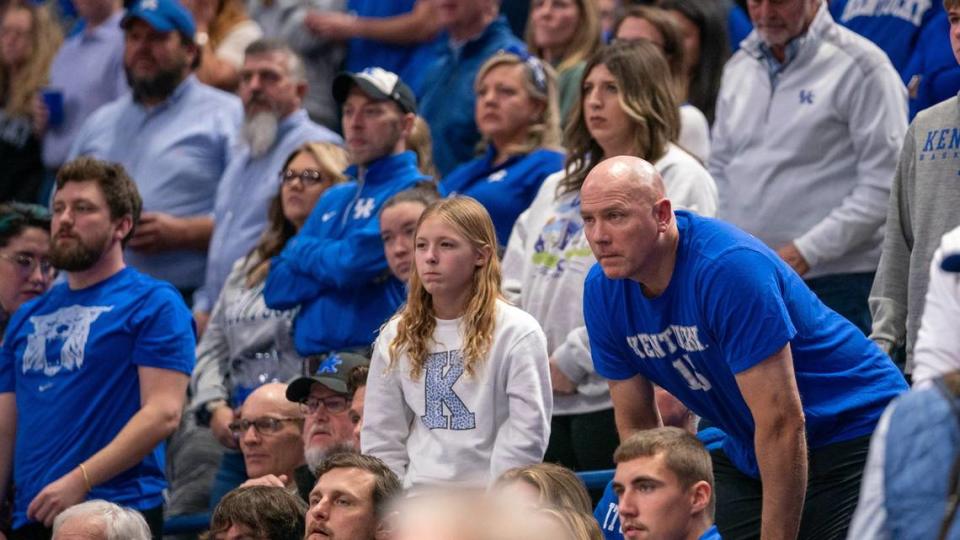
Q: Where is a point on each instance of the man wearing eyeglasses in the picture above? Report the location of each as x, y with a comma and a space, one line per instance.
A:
272, 87
324, 403
269, 433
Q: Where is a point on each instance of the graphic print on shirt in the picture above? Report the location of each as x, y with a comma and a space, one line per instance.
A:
67, 328
939, 144
561, 240
675, 342
911, 11
441, 372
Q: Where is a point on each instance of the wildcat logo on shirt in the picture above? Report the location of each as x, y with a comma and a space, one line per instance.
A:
441, 372
67, 328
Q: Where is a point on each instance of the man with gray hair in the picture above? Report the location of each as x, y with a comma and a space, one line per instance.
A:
272, 87
100, 520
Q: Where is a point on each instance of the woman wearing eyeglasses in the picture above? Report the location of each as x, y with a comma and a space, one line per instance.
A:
247, 344
25, 270
516, 112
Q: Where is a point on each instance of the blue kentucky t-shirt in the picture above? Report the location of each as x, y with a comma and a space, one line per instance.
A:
71, 357
732, 303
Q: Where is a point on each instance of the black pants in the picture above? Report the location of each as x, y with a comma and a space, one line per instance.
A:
833, 487
36, 531
583, 442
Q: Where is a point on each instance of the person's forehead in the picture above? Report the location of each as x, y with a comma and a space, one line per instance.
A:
256, 406
274, 61
81, 189
654, 466
356, 482
319, 390
30, 239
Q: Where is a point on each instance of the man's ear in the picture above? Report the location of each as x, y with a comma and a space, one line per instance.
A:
407, 125
700, 494
124, 225
663, 212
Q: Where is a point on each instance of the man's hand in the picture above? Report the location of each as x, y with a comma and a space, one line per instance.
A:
792, 256
59, 495
220, 426
156, 232
268, 480
331, 25
40, 118
562, 385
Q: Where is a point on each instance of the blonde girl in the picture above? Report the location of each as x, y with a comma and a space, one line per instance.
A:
459, 387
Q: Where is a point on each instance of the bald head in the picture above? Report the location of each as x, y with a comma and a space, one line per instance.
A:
626, 172
629, 222
274, 447
271, 397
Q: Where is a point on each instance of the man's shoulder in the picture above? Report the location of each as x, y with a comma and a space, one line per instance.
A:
857, 52
947, 110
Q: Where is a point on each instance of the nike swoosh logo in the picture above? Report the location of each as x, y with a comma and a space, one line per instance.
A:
327, 216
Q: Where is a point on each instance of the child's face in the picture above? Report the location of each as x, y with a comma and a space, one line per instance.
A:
446, 261
398, 223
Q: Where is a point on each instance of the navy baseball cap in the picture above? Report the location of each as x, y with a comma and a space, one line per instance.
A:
377, 83
162, 16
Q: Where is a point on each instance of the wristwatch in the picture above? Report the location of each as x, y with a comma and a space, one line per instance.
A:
205, 412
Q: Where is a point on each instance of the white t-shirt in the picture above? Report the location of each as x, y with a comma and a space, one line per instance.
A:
448, 427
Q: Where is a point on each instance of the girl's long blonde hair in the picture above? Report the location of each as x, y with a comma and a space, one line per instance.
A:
417, 319
16, 94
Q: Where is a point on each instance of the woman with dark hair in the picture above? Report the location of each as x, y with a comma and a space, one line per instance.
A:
627, 108
706, 48
25, 270
247, 344
660, 28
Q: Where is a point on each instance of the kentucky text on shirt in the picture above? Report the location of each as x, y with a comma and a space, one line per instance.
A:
908, 10
674, 338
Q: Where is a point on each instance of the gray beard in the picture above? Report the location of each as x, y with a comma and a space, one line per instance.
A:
260, 132
314, 457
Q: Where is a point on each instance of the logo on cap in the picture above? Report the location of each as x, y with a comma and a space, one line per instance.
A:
330, 365
149, 4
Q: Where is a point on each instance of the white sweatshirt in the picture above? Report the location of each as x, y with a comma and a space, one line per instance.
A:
547, 259
447, 427
938, 342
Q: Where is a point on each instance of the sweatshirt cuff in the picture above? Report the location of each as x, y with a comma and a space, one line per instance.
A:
805, 245
565, 358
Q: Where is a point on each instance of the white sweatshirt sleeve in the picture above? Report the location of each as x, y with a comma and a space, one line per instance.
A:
877, 124
572, 357
523, 438
386, 417
512, 264
938, 342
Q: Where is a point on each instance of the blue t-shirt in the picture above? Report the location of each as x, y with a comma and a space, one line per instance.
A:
505, 190
732, 303
71, 357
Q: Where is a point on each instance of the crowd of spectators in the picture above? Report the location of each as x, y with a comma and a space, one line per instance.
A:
399, 270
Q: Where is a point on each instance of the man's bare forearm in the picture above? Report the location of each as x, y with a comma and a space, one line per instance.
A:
782, 458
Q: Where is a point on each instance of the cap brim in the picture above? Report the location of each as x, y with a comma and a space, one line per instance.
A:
343, 82
299, 389
160, 24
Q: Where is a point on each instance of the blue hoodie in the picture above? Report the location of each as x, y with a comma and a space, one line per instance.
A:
335, 269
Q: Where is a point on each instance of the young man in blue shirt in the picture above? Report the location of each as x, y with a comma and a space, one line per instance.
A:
94, 373
717, 319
